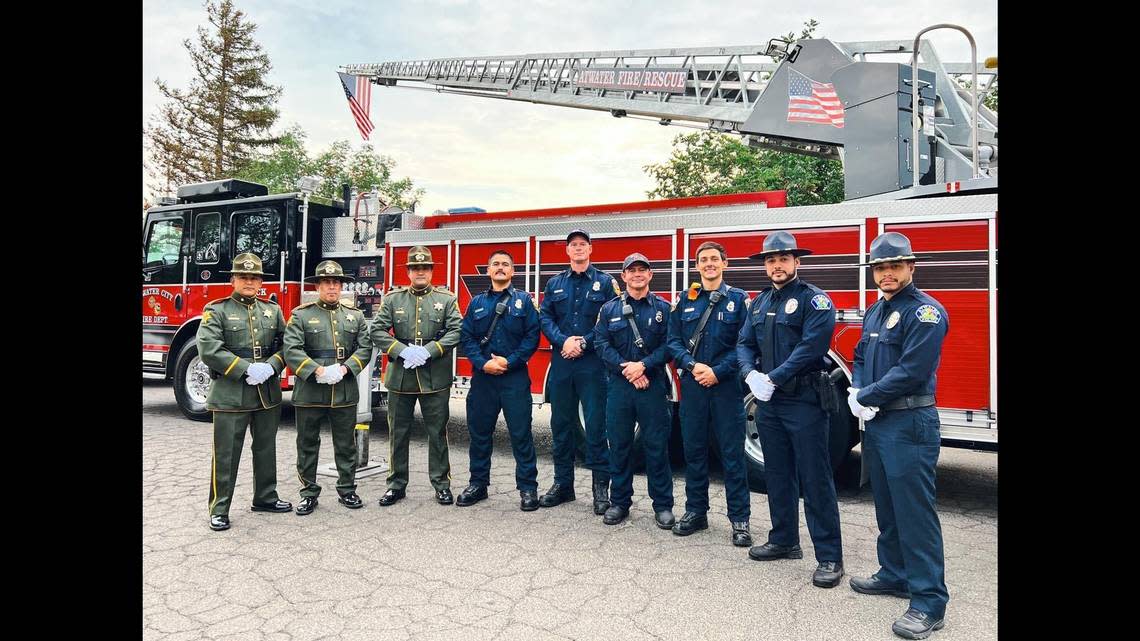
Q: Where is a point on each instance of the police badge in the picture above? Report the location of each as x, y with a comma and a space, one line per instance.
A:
791, 306
658, 317
438, 307
597, 286
518, 303
893, 319
730, 307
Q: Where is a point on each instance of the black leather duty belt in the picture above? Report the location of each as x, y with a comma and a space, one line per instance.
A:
910, 402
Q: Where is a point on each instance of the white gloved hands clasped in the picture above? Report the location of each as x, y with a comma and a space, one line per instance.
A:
762, 387
332, 374
414, 356
258, 373
857, 410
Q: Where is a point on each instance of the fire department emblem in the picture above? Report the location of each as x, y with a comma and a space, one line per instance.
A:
437, 307
597, 286
893, 320
928, 314
820, 302
791, 306
329, 269
731, 307
518, 303
154, 305
248, 264
658, 317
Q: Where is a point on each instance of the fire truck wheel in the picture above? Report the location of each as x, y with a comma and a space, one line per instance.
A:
191, 383
839, 442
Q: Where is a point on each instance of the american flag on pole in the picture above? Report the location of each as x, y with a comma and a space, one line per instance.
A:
811, 101
358, 90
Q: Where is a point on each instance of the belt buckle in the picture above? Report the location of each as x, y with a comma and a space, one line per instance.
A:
256, 352
909, 402
340, 353
418, 341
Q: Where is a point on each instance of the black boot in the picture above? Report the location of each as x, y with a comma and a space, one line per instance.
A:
601, 495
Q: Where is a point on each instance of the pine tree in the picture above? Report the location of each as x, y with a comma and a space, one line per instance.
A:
214, 127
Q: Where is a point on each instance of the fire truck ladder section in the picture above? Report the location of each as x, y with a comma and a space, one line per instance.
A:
739, 90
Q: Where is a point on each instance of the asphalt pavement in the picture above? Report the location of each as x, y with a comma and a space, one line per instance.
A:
420, 570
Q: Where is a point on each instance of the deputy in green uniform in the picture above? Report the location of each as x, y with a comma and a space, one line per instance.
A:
327, 346
424, 324
239, 339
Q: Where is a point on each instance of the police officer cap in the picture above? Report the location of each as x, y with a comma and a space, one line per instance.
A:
578, 232
635, 258
246, 263
780, 242
890, 246
329, 269
419, 256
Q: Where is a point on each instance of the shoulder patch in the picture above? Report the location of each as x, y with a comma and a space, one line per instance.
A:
928, 314
206, 316
820, 302
617, 290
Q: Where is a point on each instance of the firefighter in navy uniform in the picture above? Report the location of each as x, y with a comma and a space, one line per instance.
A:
417, 327
703, 328
569, 311
327, 346
239, 339
632, 338
893, 392
781, 350
499, 335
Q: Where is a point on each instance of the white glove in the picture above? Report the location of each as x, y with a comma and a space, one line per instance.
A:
332, 375
868, 413
856, 408
258, 373
414, 356
425, 355
761, 386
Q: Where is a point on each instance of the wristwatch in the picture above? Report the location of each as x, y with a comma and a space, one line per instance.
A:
690, 366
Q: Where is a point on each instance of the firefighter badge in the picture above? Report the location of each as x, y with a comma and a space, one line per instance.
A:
928, 314
518, 303
820, 302
731, 307
893, 320
658, 317
791, 306
597, 286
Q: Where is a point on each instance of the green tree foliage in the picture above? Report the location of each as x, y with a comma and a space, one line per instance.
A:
362, 168
707, 162
215, 126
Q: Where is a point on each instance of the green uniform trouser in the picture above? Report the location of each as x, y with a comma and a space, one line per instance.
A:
343, 424
229, 438
434, 407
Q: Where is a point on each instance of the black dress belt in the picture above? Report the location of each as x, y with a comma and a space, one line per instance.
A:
910, 402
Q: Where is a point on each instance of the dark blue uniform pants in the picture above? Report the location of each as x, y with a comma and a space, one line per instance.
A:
569, 386
720, 407
626, 404
509, 393
794, 434
901, 449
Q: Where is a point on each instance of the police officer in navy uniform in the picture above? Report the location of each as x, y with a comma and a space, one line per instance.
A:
703, 347
569, 311
632, 338
499, 334
893, 392
781, 350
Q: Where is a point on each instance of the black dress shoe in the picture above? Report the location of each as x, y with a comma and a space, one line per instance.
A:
874, 585
827, 575
472, 495
690, 522
556, 495
741, 537
528, 500
665, 519
219, 522
391, 496
615, 514
601, 496
916, 625
307, 505
444, 496
278, 506
351, 500
771, 551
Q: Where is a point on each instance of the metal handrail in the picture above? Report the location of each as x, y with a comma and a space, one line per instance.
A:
915, 90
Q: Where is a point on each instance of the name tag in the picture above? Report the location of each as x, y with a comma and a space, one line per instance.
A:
314, 321
614, 320
399, 311
874, 335
480, 309
688, 309
557, 291
771, 313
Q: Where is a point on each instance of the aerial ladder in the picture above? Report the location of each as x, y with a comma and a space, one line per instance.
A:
819, 98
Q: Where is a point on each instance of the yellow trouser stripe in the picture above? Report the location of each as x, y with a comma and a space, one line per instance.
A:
236, 359
214, 462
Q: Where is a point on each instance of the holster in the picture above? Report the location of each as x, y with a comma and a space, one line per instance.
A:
829, 400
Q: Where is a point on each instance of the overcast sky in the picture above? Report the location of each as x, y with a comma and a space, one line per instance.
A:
500, 154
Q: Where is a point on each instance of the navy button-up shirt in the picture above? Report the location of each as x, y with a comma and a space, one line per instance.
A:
614, 338
901, 347
516, 334
782, 338
718, 346
570, 305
